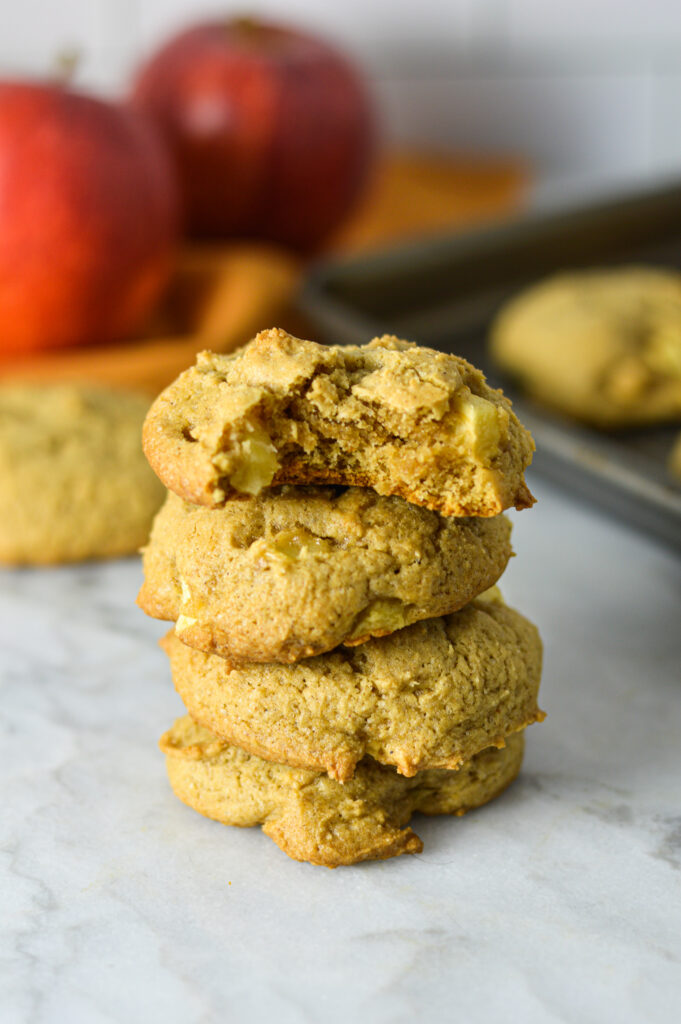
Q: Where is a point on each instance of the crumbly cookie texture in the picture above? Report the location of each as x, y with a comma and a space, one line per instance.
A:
603, 346
313, 818
391, 416
296, 571
74, 481
428, 696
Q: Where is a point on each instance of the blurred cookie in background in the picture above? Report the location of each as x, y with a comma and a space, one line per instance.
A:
74, 483
602, 346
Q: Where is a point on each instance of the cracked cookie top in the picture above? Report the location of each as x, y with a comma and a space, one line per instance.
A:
390, 415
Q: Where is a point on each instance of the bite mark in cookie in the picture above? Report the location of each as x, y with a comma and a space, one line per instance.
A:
390, 415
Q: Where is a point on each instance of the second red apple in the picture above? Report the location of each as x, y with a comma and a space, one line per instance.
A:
271, 130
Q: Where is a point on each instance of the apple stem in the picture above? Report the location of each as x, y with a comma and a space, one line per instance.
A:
66, 63
245, 26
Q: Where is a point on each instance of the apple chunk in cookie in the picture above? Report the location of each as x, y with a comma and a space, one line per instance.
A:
392, 416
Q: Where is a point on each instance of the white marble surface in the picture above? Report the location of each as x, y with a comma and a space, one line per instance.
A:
561, 902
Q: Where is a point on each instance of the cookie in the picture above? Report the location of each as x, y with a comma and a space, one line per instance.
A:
603, 346
428, 696
314, 818
74, 483
400, 419
296, 571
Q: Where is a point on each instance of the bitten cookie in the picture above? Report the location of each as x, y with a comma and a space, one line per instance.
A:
74, 483
313, 818
428, 696
603, 346
298, 570
392, 416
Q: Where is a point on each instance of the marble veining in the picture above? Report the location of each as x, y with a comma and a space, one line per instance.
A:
559, 902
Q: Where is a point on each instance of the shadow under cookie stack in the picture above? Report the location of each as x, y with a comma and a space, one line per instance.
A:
328, 553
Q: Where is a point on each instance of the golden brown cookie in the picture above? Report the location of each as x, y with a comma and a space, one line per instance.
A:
603, 346
313, 818
400, 419
428, 696
74, 483
296, 571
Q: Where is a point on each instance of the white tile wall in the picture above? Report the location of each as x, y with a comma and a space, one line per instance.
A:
666, 122
364, 26
567, 123
579, 86
609, 21
31, 33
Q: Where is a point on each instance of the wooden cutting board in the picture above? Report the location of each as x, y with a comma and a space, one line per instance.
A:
417, 194
222, 295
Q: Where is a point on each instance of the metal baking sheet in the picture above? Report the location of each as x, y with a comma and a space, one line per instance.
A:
444, 292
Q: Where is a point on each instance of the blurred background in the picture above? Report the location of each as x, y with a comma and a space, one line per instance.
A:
217, 173
586, 90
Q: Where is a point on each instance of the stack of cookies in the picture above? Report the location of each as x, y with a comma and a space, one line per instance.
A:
328, 553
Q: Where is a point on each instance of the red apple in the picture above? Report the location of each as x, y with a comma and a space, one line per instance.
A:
271, 129
88, 218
